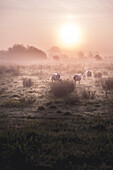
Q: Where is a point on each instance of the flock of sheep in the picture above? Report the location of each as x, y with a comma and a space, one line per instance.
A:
76, 77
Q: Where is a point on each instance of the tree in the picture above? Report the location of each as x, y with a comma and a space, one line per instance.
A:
35, 52
18, 51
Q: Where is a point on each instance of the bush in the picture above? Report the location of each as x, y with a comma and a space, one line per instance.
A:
107, 84
27, 82
62, 88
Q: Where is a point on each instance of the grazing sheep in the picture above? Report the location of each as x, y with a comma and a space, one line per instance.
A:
55, 77
88, 73
77, 77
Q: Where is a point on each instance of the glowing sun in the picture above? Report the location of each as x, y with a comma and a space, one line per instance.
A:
70, 34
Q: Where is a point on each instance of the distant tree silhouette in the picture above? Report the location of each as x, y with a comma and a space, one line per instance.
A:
20, 51
17, 48
36, 52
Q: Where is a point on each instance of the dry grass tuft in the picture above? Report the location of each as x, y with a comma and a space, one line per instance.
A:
27, 82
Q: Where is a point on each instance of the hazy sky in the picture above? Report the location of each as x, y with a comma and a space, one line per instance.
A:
38, 22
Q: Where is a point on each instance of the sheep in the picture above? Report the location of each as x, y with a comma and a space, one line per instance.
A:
55, 77
88, 73
77, 77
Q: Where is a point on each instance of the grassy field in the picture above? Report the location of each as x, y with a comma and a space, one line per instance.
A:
42, 130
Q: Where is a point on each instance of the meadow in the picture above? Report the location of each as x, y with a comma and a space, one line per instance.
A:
41, 128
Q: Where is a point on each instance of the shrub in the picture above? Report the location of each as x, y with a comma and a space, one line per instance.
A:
107, 84
27, 82
62, 88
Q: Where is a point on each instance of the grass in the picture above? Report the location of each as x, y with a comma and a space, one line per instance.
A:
13, 70
21, 102
73, 143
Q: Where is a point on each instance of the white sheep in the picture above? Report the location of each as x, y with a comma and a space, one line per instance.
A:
55, 77
88, 73
77, 77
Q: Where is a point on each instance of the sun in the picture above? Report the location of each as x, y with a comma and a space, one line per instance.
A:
70, 34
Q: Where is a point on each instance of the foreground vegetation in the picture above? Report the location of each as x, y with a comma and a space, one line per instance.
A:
73, 142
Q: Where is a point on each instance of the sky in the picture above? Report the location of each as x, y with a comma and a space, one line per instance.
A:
38, 23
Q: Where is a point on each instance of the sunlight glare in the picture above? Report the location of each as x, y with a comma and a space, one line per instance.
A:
70, 34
